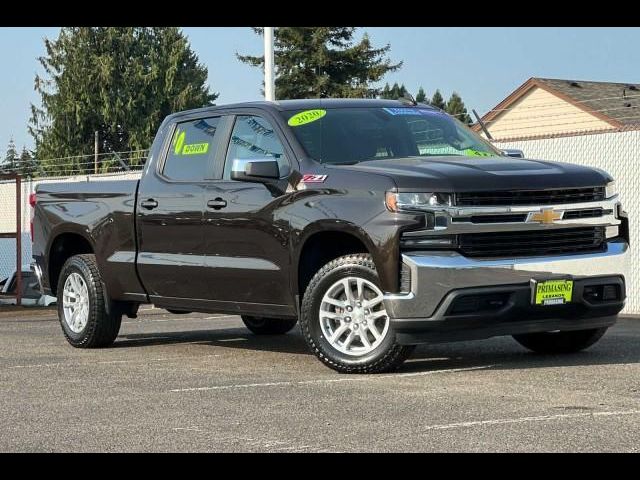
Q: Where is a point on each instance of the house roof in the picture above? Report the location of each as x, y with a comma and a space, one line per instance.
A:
615, 103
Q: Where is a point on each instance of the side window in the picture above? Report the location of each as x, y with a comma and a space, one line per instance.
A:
192, 149
253, 138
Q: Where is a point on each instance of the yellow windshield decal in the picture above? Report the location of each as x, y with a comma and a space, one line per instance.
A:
305, 117
195, 149
470, 152
179, 142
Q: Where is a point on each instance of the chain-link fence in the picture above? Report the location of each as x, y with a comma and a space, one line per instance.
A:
91, 164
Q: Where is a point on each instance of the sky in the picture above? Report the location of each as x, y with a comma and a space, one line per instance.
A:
482, 64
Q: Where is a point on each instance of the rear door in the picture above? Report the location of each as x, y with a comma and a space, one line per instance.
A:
170, 212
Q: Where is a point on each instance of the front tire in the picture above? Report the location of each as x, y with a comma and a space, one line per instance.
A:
89, 319
560, 342
343, 319
269, 326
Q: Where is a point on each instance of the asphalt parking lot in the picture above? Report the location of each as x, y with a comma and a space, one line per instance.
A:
203, 383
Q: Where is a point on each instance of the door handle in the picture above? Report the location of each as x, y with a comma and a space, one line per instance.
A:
217, 203
149, 204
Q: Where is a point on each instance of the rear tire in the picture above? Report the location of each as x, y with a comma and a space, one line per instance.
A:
560, 342
269, 326
343, 319
89, 319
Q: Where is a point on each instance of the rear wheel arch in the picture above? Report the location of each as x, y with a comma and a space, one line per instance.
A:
64, 246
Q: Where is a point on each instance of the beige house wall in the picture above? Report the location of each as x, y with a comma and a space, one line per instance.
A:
539, 112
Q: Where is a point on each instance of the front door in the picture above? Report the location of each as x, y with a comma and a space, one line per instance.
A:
246, 243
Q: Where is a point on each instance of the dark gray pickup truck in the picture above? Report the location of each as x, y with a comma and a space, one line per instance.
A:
374, 224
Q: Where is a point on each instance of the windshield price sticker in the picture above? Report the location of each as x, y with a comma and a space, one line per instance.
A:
470, 152
195, 149
305, 117
412, 111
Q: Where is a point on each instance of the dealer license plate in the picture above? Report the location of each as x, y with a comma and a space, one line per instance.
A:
552, 292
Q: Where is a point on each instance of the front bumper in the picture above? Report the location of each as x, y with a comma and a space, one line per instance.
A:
440, 280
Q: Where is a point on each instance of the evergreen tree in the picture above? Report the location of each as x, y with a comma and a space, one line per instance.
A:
27, 166
393, 93
386, 91
421, 96
120, 82
320, 62
455, 106
11, 159
437, 100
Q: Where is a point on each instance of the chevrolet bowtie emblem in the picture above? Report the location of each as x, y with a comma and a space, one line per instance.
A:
545, 215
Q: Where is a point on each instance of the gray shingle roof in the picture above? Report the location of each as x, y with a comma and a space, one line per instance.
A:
619, 102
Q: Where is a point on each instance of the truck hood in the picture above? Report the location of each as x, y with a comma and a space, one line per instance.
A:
459, 174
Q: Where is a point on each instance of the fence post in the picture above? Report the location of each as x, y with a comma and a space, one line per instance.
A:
18, 240
95, 147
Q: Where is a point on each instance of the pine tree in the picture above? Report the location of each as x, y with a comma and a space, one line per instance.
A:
437, 100
11, 159
393, 93
386, 91
320, 62
421, 96
119, 81
455, 106
27, 166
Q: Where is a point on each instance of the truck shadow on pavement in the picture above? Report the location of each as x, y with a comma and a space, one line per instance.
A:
621, 345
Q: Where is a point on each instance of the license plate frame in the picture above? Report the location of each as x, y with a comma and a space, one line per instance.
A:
556, 291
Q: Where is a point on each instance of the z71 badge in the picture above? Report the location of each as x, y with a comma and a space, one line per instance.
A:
314, 178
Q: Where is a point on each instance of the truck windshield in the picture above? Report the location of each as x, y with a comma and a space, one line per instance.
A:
353, 135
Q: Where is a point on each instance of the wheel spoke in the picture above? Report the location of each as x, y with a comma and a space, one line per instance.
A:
347, 290
373, 329
373, 302
339, 332
349, 339
332, 315
360, 285
334, 302
378, 314
363, 338
74, 284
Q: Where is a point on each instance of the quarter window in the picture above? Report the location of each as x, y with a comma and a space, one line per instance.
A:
192, 150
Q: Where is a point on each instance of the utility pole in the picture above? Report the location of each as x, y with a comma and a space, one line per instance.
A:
269, 76
95, 147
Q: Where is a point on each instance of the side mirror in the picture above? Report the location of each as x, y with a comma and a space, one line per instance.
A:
513, 152
255, 170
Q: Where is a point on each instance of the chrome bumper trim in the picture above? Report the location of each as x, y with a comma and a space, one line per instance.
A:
457, 220
435, 274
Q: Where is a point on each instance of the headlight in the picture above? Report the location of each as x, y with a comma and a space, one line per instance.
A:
416, 201
610, 190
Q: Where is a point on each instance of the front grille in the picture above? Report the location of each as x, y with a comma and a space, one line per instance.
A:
529, 243
586, 213
505, 218
530, 197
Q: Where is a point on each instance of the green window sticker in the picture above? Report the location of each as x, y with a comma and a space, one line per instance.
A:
470, 152
195, 149
305, 117
179, 142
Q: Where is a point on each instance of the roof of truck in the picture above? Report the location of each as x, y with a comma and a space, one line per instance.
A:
311, 103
